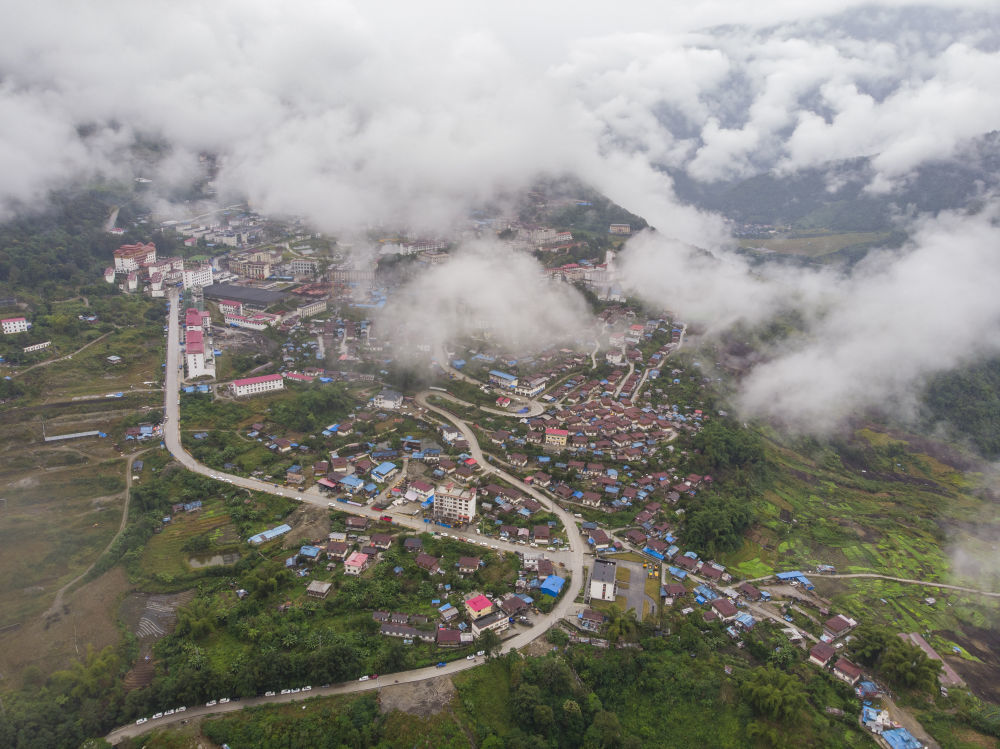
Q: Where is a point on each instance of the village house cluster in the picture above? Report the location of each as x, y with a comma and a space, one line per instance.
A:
459, 612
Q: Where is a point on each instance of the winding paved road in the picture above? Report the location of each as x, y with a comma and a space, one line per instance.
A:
571, 560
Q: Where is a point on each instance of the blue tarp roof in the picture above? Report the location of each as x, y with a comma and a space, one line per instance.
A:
502, 375
309, 551
788, 575
552, 585
900, 738
352, 482
708, 593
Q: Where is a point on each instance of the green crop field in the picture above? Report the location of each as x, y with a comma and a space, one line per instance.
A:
165, 557
889, 518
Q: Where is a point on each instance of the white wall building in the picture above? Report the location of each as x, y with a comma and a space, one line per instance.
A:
256, 385
603, 585
198, 357
198, 275
454, 502
389, 400
14, 325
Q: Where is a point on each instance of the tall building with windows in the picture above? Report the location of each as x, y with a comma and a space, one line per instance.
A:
455, 502
603, 580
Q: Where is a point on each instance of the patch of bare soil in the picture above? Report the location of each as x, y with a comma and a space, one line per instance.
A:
423, 698
983, 678
150, 617
309, 523
537, 647
86, 618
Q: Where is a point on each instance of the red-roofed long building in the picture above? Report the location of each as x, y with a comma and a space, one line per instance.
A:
255, 385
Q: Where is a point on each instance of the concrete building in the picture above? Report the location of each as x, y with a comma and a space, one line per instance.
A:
130, 257
556, 437
389, 400
301, 267
603, 585
454, 502
356, 563
197, 356
198, 275
311, 308
531, 387
497, 621
318, 589
256, 385
229, 307
13, 325
503, 379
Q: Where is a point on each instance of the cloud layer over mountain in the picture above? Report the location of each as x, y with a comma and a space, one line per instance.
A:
871, 336
356, 113
367, 113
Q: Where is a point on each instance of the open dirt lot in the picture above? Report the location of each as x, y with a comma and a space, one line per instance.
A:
87, 618
983, 678
424, 698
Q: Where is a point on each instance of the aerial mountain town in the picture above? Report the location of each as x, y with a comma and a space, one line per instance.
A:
635, 389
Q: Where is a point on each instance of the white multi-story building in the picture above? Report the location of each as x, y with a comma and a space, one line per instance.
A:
256, 385
454, 502
303, 267
603, 580
311, 308
198, 275
199, 359
531, 387
388, 399
229, 307
14, 325
130, 257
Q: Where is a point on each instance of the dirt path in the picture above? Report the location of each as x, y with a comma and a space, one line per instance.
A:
57, 603
926, 583
911, 724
